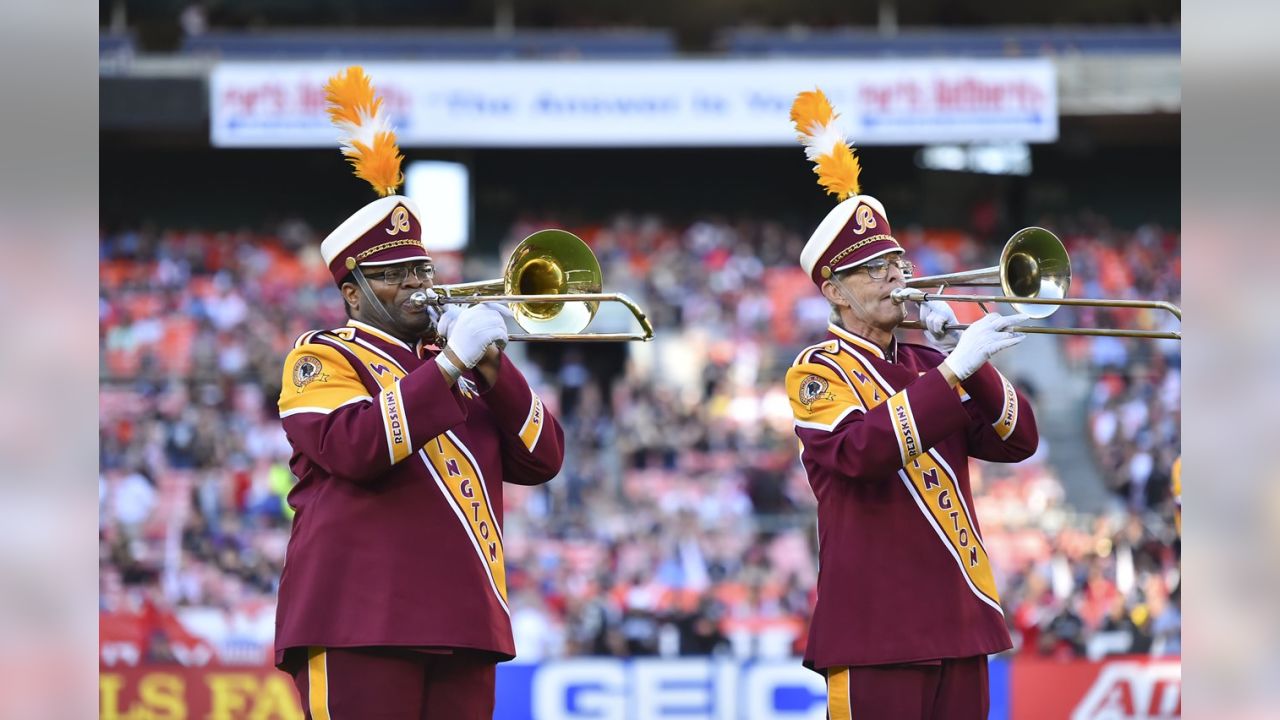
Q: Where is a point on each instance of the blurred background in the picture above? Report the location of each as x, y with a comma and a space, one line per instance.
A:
668, 571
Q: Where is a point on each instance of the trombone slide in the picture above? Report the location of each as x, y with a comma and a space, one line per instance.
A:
904, 294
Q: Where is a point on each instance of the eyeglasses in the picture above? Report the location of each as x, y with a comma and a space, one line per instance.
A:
397, 275
878, 269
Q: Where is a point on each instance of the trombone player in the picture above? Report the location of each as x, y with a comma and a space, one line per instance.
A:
393, 599
907, 608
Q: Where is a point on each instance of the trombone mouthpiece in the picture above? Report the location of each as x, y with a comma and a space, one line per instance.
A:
420, 299
902, 295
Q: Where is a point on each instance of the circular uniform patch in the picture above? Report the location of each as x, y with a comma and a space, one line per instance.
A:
306, 369
811, 388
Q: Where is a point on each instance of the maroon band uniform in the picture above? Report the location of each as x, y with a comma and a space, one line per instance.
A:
393, 598
907, 608
398, 534
394, 575
903, 574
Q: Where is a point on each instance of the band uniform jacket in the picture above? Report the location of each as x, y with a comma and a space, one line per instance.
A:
397, 538
903, 576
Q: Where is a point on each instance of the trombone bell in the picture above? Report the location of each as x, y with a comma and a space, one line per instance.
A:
552, 285
550, 263
1035, 274
1034, 264
539, 276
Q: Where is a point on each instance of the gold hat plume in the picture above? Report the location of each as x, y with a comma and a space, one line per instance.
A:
824, 144
367, 139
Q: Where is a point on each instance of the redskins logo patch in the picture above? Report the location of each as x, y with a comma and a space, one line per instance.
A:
306, 369
813, 388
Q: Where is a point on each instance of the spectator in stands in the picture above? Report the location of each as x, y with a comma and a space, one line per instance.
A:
1063, 636
1166, 620
698, 623
133, 500
1127, 637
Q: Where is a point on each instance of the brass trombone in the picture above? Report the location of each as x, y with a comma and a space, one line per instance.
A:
1034, 273
552, 284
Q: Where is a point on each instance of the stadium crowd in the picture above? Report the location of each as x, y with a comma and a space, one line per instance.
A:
682, 522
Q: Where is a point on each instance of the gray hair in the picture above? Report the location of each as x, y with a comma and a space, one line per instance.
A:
834, 317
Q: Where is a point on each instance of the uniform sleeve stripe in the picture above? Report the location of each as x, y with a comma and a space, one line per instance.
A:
393, 425
404, 419
897, 433
1008, 420
386, 425
324, 410
531, 431
915, 429
904, 427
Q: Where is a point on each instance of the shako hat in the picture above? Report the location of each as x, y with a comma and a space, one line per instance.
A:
857, 229
389, 229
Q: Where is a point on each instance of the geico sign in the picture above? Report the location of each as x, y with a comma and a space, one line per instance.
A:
1133, 691
689, 689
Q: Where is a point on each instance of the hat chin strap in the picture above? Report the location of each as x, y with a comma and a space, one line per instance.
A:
373, 299
844, 292
840, 288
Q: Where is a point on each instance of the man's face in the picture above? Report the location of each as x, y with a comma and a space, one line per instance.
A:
870, 285
393, 285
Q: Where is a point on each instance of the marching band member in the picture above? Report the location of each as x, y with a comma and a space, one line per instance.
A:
907, 608
393, 601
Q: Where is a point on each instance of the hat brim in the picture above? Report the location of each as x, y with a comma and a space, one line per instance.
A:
872, 256
400, 255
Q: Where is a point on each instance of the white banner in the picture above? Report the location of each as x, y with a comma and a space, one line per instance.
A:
636, 104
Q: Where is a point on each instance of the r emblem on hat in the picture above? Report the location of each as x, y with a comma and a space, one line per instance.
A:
399, 221
854, 232
866, 218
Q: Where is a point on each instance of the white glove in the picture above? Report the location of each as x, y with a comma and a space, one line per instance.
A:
445, 319
981, 341
937, 315
471, 331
